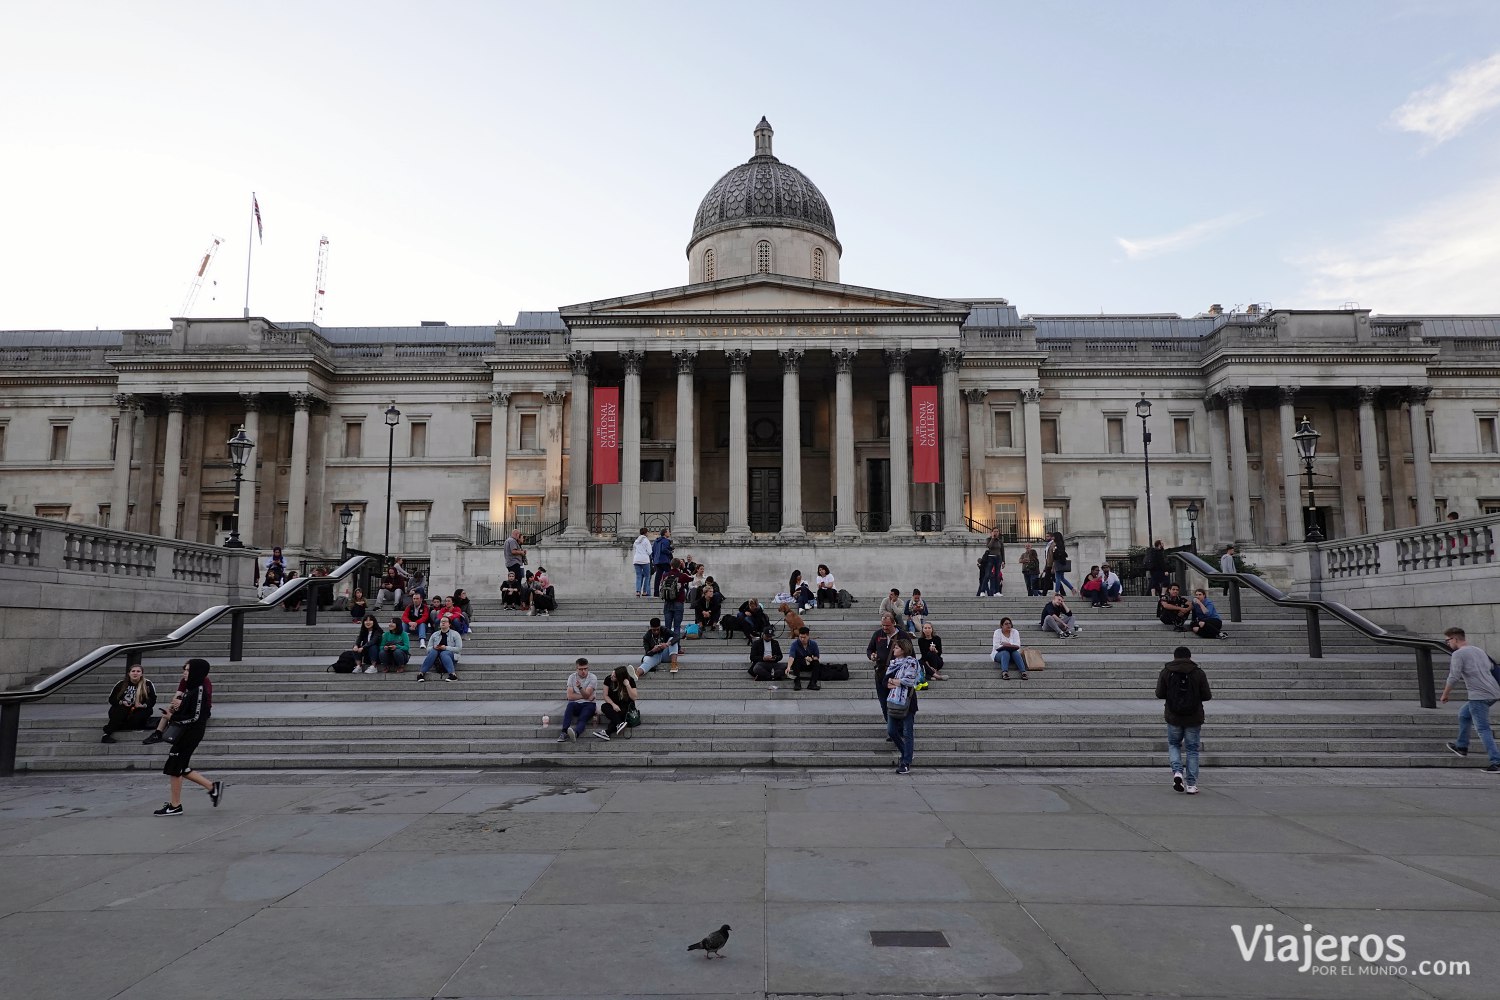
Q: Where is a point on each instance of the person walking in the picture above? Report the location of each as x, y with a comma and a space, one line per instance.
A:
1031, 571
991, 562
1470, 666
661, 559
902, 675
191, 709
878, 652
1183, 687
1156, 569
1061, 564
640, 560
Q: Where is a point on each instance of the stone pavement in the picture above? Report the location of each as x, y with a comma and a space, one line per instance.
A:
1066, 882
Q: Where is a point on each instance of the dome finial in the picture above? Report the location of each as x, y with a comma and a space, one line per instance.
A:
763, 135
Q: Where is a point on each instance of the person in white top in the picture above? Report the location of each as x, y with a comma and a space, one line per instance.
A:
641, 562
1111, 585
1007, 646
826, 587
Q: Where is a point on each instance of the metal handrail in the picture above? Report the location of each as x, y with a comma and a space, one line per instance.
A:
1422, 646
11, 701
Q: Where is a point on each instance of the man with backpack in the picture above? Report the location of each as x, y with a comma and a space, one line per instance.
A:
661, 559
1472, 667
1183, 686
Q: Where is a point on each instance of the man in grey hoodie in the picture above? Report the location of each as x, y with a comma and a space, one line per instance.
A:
1471, 666
1183, 686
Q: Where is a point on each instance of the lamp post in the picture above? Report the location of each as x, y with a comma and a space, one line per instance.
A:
1307, 447
239, 455
1143, 410
1192, 516
346, 518
392, 418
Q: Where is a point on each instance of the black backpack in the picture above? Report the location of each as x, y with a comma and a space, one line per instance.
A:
670, 587
1182, 696
846, 599
347, 662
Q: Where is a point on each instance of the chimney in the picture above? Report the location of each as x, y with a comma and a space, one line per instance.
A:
1216, 310
1253, 309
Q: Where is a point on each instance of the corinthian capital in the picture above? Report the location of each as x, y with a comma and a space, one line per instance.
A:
500, 397
633, 362
895, 360
739, 361
953, 359
1031, 395
976, 396
1233, 394
555, 396
176, 402
843, 360
791, 361
579, 361
1367, 394
686, 361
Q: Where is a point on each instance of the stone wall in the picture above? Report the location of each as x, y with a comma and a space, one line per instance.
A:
65, 590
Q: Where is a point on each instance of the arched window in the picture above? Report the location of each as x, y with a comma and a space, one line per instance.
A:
709, 271
817, 264
763, 257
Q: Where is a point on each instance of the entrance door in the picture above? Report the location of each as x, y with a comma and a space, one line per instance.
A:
765, 499
878, 495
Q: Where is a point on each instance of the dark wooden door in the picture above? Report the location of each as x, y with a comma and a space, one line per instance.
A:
878, 495
765, 499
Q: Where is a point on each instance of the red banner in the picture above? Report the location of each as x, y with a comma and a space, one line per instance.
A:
606, 436
924, 434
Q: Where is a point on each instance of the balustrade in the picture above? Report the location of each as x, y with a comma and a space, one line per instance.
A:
95, 552
20, 544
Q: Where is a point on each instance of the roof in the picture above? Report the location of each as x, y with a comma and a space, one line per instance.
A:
1151, 326
62, 338
1449, 326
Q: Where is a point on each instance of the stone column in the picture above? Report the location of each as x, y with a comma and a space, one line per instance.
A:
1296, 529
552, 501
953, 445
1239, 464
119, 493
739, 458
1219, 520
192, 481
843, 443
978, 489
1421, 454
317, 481
1031, 416
630, 446
171, 466
684, 525
247, 484
1369, 457
895, 363
791, 444
578, 448
296, 492
499, 455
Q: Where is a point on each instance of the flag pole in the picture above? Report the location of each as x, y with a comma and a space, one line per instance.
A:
249, 251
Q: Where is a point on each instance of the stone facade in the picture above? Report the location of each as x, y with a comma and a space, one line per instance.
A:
758, 404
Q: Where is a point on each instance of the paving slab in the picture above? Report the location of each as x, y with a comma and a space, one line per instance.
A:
528, 798
1356, 881
38, 879
366, 800
196, 881
893, 795
422, 879
1481, 874
1395, 834
858, 829
672, 875
659, 797
1161, 799
133, 834
1321, 801
497, 831
998, 799
314, 834
1426, 937
1146, 877
879, 875
1232, 833
670, 830
1053, 831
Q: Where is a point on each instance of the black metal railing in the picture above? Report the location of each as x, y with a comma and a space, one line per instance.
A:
873, 520
656, 520
11, 701
822, 521
714, 522
496, 532
604, 522
927, 520
1423, 647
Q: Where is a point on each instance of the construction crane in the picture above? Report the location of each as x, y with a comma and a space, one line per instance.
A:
322, 288
197, 286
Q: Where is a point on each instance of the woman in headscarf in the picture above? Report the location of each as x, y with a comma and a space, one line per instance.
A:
130, 703
191, 710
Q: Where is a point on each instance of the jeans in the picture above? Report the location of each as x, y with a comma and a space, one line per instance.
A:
394, 659
989, 577
659, 571
436, 657
671, 616
1114, 591
419, 630
1010, 659
642, 577
653, 660
580, 712
882, 692
902, 733
1060, 581
370, 653
1479, 713
1031, 577
1175, 738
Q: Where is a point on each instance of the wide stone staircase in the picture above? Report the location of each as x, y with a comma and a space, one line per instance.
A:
1092, 706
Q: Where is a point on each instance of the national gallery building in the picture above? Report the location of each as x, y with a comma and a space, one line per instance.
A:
765, 400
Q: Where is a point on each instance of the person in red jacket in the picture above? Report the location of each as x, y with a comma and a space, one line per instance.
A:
417, 618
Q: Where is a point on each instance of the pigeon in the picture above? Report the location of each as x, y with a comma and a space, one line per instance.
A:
712, 943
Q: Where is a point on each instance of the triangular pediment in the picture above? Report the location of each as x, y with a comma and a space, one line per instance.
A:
761, 294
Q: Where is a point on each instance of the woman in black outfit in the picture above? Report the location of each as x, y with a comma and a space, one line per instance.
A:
358, 606
707, 608
931, 646
619, 699
191, 709
802, 594
461, 601
130, 703
510, 592
367, 643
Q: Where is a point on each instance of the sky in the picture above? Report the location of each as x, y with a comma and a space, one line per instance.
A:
468, 160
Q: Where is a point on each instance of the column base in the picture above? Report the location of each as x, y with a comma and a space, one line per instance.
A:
683, 534
794, 533
847, 532
740, 532
900, 529
573, 534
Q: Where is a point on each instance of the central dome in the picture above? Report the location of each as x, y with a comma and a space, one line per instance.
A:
763, 192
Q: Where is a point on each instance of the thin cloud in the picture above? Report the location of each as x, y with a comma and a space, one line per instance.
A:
1182, 238
1441, 258
1445, 109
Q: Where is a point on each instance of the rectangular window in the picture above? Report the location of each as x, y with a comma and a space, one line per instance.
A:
1119, 526
2, 442
1489, 441
114, 438
1114, 433
354, 439
103, 521
526, 514
59, 447
419, 439
1000, 429
356, 524
1007, 518
1252, 432
526, 432
482, 439
1049, 436
1182, 435
53, 511
1489, 506
1055, 516
1431, 437
653, 470
477, 518
414, 527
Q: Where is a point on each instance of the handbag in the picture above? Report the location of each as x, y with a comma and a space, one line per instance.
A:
172, 732
1032, 658
632, 717
898, 702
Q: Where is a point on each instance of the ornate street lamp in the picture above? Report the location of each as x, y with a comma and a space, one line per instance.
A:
346, 518
1143, 410
1307, 447
239, 456
1192, 516
392, 418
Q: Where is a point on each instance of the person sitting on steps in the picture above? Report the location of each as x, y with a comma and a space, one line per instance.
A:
751, 620
806, 659
659, 643
766, 663
1174, 609
446, 644
367, 643
1206, 621
395, 648
1058, 617
130, 703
